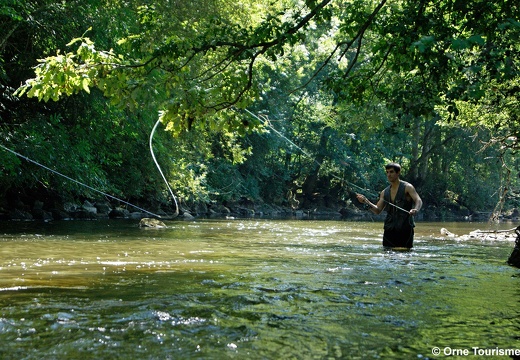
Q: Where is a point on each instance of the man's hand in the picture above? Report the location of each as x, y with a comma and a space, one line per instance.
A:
362, 198
414, 212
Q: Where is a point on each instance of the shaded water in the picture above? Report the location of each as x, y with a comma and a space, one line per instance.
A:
255, 289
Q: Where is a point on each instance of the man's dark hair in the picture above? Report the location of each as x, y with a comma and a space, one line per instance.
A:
394, 166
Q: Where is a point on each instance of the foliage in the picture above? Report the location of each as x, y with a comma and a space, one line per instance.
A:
267, 98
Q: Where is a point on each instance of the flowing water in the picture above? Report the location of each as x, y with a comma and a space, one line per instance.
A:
252, 289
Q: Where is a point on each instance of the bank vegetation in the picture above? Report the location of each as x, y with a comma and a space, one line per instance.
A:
292, 105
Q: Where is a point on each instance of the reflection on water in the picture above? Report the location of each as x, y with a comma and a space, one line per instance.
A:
259, 289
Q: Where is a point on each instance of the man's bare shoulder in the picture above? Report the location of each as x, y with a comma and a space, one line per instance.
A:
409, 186
410, 189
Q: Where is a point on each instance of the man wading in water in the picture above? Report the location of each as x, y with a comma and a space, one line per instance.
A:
401, 202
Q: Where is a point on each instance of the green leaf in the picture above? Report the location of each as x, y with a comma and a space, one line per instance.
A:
477, 39
34, 91
73, 41
459, 44
84, 84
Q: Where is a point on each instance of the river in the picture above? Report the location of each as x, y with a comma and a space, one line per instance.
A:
252, 289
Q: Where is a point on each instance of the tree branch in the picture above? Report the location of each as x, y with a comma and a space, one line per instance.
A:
359, 35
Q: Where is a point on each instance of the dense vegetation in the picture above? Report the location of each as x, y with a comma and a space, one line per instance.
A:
261, 101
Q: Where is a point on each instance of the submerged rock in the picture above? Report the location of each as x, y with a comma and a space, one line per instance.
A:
151, 223
447, 233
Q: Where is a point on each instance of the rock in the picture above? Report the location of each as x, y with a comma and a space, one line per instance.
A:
447, 233
221, 209
82, 214
59, 214
88, 207
136, 215
18, 214
19, 205
38, 205
245, 211
300, 213
151, 223
103, 207
187, 216
201, 208
119, 212
70, 207
41, 214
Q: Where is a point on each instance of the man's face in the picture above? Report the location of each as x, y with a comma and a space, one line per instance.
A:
391, 175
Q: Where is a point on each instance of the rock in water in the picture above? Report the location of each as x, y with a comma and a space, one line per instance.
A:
447, 233
151, 223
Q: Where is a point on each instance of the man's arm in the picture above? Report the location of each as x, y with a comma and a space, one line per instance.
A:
375, 208
410, 190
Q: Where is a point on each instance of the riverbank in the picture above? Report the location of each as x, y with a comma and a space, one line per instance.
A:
103, 209
51, 209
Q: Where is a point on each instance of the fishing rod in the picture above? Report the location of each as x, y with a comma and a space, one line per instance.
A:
268, 124
394, 205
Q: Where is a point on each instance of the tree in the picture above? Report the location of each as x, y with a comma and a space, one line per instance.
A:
411, 66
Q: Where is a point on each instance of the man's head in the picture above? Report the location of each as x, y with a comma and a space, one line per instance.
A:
395, 166
392, 172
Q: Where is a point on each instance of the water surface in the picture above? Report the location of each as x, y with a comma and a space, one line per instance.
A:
248, 288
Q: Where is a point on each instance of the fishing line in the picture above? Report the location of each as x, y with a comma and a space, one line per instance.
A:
76, 181
160, 171
267, 122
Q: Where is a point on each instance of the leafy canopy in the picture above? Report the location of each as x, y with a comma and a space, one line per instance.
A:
199, 67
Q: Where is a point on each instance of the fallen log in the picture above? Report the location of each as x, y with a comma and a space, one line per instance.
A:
494, 231
503, 235
508, 234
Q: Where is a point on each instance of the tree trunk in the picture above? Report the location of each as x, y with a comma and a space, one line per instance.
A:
309, 185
